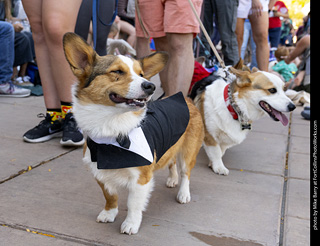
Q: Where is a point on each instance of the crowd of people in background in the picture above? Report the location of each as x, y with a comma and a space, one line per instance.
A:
258, 31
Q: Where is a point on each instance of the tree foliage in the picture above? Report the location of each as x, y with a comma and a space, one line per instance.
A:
297, 10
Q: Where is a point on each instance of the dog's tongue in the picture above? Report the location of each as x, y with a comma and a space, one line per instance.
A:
280, 116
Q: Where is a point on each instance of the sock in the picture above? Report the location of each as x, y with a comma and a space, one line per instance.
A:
66, 107
55, 113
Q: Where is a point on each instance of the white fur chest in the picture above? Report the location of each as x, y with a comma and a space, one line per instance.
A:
115, 178
219, 122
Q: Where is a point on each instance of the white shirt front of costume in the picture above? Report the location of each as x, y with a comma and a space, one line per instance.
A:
139, 143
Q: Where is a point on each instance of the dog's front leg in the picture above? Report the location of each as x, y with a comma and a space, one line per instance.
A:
137, 202
215, 154
110, 211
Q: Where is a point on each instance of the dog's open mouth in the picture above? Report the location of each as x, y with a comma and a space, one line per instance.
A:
274, 114
138, 102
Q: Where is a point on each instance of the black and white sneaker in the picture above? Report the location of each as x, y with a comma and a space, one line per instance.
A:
72, 135
46, 130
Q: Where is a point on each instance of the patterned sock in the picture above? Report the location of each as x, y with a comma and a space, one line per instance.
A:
66, 107
55, 113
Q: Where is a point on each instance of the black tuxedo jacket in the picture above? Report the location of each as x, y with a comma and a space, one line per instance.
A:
165, 122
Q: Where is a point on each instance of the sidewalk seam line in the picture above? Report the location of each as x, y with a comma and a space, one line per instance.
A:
29, 168
53, 234
285, 187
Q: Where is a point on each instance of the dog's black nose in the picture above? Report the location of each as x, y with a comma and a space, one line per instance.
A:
291, 107
148, 87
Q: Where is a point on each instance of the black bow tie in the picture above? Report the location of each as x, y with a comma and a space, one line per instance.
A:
124, 141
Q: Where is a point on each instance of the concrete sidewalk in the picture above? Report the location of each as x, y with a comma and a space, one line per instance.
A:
48, 197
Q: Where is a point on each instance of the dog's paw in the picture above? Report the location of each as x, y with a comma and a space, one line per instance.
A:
222, 170
172, 182
183, 197
129, 227
107, 216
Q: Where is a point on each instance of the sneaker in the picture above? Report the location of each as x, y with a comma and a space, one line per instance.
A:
10, 90
72, 135
46, 130
23, 81
306, 114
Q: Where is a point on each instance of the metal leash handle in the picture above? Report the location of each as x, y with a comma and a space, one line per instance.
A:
207, 36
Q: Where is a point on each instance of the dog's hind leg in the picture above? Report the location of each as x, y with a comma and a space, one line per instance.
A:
110, 211
184, 191
173, 178
189, 150
137, 202
185, 166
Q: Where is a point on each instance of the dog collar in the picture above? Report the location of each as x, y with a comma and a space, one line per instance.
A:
234, 109
228, 104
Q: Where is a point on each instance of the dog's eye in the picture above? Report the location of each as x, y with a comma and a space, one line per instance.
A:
141, 75
272, 90
120, 72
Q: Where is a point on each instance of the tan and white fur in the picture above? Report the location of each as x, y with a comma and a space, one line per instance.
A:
256, 93
109, 99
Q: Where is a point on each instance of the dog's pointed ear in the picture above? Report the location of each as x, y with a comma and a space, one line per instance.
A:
239, 64
243, 77
254, 69
154, 63
79, 54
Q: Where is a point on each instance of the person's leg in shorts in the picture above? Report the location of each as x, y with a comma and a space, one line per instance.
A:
242, 14
178, 73
172, 26
259, 25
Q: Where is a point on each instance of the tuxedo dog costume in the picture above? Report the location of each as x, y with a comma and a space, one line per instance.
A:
165, 122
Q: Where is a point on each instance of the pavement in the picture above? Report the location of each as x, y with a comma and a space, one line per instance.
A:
49, 197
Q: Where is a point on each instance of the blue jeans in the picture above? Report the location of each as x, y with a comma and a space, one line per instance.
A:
274, 36
6, 51
247, 33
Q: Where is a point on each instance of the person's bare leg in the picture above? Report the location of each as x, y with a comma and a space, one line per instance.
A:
162, 45
259, 25
142, 47
239, 33
23, 70
14, 73
59, 17
33, 8
181, 65
177, 75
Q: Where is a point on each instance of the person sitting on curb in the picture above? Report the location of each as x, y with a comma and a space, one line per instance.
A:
302, 80
6, 63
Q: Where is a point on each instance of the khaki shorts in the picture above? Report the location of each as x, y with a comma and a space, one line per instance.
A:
167, 16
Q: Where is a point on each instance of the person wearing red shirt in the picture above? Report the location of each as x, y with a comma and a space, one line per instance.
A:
279, 10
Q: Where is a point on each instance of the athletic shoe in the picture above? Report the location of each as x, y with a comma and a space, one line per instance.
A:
10, 90
46, 130
72, 135
23, 81
306, 114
